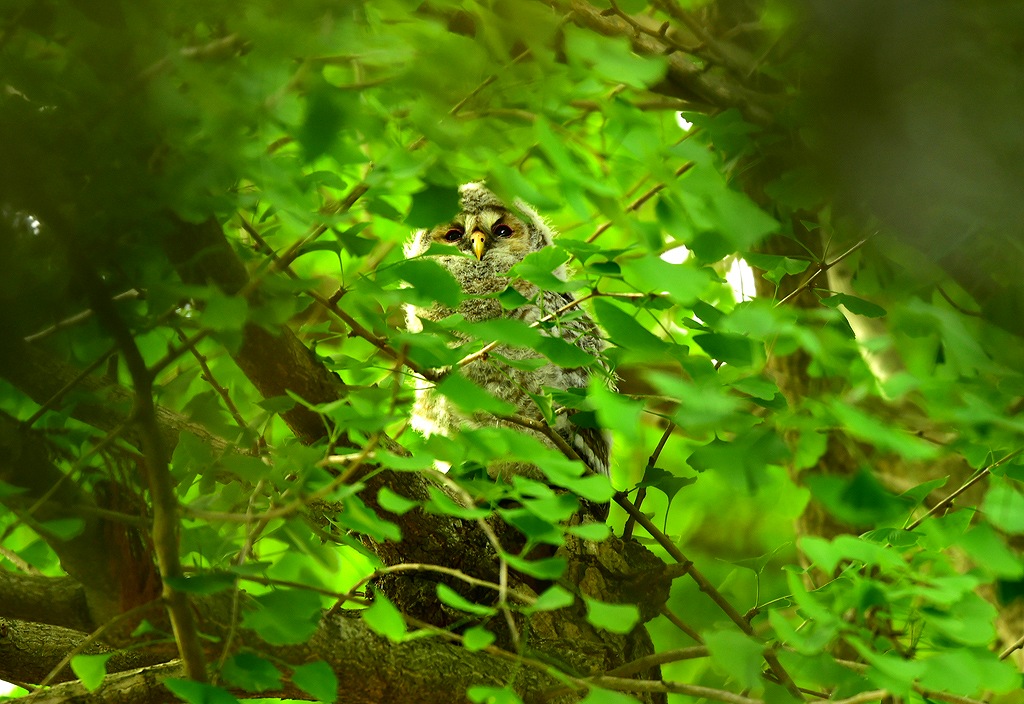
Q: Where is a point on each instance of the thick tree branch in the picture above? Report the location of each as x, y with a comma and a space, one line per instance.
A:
97, 401
275, 362
57, 601
30, 651
50, 495
164, 503
685, 77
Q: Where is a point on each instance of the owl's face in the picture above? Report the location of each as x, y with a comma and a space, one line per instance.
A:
488, 233
478, 247
491, 236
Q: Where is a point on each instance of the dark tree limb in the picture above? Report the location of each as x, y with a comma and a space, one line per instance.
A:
276, 362
55, 601
48, 494
93, 400
29, 651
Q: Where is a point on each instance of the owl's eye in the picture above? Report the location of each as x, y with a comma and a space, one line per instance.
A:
452, 235
503, 231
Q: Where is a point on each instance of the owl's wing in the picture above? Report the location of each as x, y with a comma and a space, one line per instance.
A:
592, 445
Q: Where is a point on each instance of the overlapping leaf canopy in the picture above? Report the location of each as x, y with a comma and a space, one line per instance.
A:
204, 356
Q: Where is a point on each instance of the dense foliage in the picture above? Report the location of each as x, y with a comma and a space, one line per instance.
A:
207, 482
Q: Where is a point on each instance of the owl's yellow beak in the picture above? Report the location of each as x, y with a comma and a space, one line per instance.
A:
478, 241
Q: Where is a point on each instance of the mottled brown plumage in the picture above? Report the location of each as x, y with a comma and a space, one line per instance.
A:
486, 240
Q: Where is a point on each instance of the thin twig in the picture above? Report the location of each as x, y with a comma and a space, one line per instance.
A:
636, 204
680, 624
298, 504
79, 378
221, 391
823, 267
707, 587
981, 474
77, 317
95, 636
1017, 645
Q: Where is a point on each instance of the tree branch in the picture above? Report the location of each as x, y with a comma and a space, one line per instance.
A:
164, 503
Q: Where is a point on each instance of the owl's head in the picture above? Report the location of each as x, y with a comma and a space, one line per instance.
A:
486, 230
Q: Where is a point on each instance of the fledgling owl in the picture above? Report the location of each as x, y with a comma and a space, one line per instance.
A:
486, 239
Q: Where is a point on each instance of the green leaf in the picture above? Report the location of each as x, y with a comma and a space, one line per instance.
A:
323, 121
285, 616
64, 528
613, 59
737, 655
251, 673
546, 568
384, 618
563, 353
507, 330
617, 618
731, 349
432, 206
988, 550
353, 243
617, 412
860, 500
394, 502
552, 599
90, 669
472, 398
480, 694
477, 638
919, 493
776, 267
539, 267
595, 532
828, 554
1004, 507
198, 693
430, 281
359, 517
8, 490
665, 481
537, 528
442, 504
857, 306
889, 671
225, 313
881, 433
742, 459
624, 330
684, 283
452, 598
593, 487
317, 679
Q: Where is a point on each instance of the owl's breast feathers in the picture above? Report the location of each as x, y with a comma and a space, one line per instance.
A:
482, 271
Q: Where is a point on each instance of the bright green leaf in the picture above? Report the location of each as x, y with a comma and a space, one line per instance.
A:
90, 669
198, 693
737, 655
285, 616
617, 618
452, 598
251, 673
317, 679
384, 618
477, 638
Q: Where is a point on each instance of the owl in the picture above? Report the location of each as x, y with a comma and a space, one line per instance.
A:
485, 240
